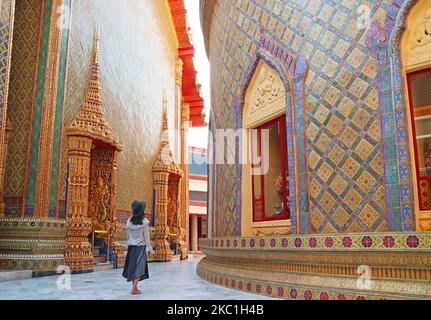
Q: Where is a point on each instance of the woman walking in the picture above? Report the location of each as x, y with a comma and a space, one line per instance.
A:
138, 236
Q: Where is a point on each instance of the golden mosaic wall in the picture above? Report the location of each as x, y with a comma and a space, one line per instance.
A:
137, 59
20, 105
343, 127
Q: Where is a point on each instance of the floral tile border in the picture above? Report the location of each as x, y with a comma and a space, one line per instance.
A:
376, 241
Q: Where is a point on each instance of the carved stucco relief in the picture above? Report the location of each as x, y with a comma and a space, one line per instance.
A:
418, 51
266, 97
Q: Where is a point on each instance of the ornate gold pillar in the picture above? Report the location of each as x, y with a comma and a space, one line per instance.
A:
45, 154
185, 118
78, 254
7, 132
178, 107
116, 225
163, 252
194, 230
183, 205
164, 167
7, 10
34, 242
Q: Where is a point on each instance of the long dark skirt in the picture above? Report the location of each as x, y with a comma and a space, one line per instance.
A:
136, 265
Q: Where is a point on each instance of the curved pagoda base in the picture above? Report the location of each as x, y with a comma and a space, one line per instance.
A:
322, 267
32, 244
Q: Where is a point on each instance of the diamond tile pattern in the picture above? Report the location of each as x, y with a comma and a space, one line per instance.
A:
342, 120
20, 104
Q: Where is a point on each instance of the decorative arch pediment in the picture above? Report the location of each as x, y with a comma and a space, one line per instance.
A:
417, 37
265, 96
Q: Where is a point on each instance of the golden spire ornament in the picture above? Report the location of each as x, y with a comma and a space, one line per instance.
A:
97, 46
91, 118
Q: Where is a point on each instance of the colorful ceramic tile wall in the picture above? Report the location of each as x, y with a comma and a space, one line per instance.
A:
6, 28
346, 178
20, 102
55, 207
32, 170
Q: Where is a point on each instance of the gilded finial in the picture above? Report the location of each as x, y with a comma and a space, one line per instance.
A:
165, 111
97, 45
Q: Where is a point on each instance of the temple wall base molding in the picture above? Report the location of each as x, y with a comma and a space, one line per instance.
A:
338, 267
32, 244
78, 254
162, 251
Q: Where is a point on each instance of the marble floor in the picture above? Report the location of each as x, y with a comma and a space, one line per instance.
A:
176, 280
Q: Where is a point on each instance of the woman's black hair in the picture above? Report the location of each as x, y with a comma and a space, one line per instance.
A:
136, 220
138, 212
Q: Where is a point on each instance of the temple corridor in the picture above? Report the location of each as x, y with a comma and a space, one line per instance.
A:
179, 276
244, 149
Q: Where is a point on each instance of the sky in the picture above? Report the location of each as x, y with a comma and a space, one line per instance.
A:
198, 137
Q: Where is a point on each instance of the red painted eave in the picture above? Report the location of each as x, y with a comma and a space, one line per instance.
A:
186, 52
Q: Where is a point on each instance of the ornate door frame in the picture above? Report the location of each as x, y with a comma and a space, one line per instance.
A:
88, 131
292, 71
165, 170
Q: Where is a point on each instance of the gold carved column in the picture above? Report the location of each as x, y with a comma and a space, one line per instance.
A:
164, 169
185, 119
117, 247
194, 232
78, 254
163, 252
35, 243
7, 20
48, 116
7, 132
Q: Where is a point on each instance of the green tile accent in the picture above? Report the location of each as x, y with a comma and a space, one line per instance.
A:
37, 115
59, 114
